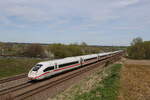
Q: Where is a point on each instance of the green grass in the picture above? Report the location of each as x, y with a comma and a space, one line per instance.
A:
14, 66
107, 89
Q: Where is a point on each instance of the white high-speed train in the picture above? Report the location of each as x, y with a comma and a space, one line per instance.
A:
48, 68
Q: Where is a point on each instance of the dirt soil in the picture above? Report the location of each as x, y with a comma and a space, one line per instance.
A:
135, 80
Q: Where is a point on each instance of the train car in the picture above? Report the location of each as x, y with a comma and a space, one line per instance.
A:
102, 56
48, 68
90, 59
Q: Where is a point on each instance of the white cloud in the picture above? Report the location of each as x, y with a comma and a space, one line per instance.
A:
76, 15
43, 10
58, 12
124, 3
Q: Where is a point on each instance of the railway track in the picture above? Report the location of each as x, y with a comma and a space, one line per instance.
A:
41, 88
12, 78
11, 89
28, 89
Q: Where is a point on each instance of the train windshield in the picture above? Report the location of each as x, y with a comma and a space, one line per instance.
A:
37, 67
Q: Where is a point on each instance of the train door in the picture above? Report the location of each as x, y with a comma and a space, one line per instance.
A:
56, 66
81, 61
98, 57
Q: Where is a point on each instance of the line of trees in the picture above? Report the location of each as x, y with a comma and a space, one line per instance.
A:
61, 50
51, 51
139, 49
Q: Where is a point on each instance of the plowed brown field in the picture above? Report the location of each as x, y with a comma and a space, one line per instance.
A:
135, 80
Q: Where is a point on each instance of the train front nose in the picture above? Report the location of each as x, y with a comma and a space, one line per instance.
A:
32, 75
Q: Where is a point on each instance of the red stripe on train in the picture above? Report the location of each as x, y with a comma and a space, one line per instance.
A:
56, 70
65, 68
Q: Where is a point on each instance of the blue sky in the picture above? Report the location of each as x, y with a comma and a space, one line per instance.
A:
96, 22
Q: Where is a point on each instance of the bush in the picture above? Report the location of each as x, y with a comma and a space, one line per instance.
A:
139, 49
34, 50
62, 50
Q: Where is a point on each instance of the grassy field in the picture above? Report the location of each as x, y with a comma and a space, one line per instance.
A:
14, 66
135, 80
107, 88
101, 85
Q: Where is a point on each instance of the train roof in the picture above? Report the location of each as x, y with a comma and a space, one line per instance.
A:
76, 58
101, 54
60, 61
87, 56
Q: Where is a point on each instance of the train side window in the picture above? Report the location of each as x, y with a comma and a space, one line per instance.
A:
67, 64
90, 58
102, 56
49, 68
